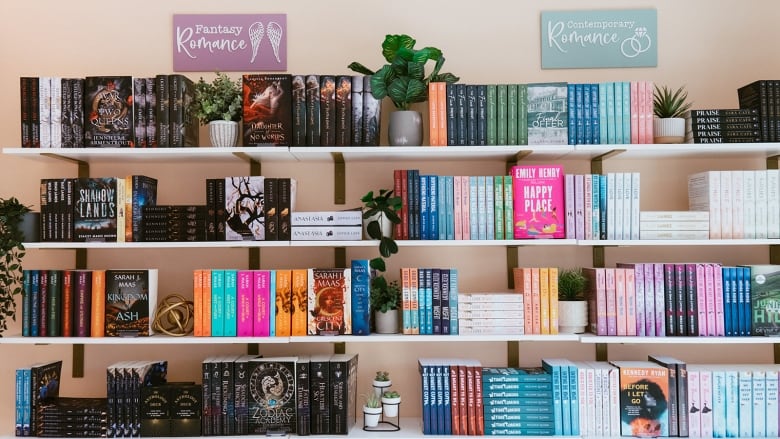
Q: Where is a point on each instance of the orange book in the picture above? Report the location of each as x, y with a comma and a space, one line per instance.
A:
414, 302
536, 302
522, 277
553, 272
433, 114
98, 310
406, 301
197, 302
544, 300
299, 301
441, 111
283, 303
206, 294
67, 303
128, 210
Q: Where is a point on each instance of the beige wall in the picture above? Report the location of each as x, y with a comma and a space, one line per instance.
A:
710, 46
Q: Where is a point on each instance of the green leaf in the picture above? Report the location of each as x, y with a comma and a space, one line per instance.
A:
393, 43
377, 264
360, 68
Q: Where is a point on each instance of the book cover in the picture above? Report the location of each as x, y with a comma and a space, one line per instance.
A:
357, 110
319, 393
108, 111
82, 303
644, 399
765, 299
547, 113
372, 113
312, 90
343, 395
183, 125
343, 110
131, 299
267, 114
45, 379
283, 303
98, 311
329, 297
538, 201
271, 208
244, 208
361, 306
299, 302
95, 210
302, 395
298, 110
327, 95
271, 391
143, 193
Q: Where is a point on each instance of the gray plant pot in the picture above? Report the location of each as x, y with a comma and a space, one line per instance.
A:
386, 322
405, 128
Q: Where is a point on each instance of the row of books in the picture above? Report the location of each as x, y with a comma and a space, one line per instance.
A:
743, 204
430, 301
683, 299
762, 96
107, 111
722, 125
125, 381
171, 409
245, 394
282, 303
539, 289
88, 303
603, 206
671, 224
35, 385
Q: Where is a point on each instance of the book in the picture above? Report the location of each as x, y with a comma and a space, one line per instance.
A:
343, 110
538, 201
644, 398
319, 393
184, 127
327, 96
299, 116
329, 297
108, 111
361, 306
244, 208
343, 392
283, 303
271, 208
45, 380
267, 115
143, 192
312, 90
303, 395
352, 217
95, 210
271, 391
765, 299
131, 300
547, 113
372, 115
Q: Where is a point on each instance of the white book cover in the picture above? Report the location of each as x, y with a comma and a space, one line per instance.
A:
483, 208
610, 205
773, 203
759, 403
772, 407
673, 215
694, 403
627, 191
619, 200
705, 396
635, 192
614, 402
600, 398
44, 109
327, 218
490, 208
586, 400
749, 203
675, 234
732, 402
56, 112
596, 205
761, 205
587, 210
704, 195
726, 205
645, 226
579, 206
719, 388
569, 194
326, 233
745, 416
737, 205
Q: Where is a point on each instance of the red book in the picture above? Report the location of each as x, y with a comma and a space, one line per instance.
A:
480, 421
471, 397
441, 89
197, 302
454, 399
43, 306
397, 178
67, 303
463, 399
82, 303
98, 316
329, 301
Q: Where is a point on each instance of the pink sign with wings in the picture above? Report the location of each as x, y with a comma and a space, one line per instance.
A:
229, 42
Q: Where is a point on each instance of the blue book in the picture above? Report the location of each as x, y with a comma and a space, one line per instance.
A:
572, 110
554, 370
415, 182
719, 402
424, 366
595, 112
441, 207
428, 273
587, 116
740, 287
453, 301
231, 302
424, 216
217, 303
272, 301
450, 206
574, 400
27, 416
626, 112
580, 114
436, 298
490, 209
618, 116
447, 404
610, 105
26, 302
20, 390
474, 207
446, 314
732, 403
727, 311
747, 304
745, 386
596, 205
440, 368
602, 206
602, 114
433, 207
35, 300
424, 308
361, 289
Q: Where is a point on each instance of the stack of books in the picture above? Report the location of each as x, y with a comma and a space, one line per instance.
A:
674, 225
490, 313
517, 402
723, 126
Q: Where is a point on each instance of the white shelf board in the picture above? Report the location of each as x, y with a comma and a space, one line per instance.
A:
187, 155
363, 243
678, 242
486, 243
154, 245
589, 338
153, 340
683, 150
430, 153
401, 338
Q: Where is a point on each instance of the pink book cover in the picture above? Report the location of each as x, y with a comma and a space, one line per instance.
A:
660, 310
648, 111
536, 296
465, 201
649, 292
538, 201
709, 299
642, 115
631, 308
569, 185
701, 299
245, 303
612, 318
579, 206
457, 210
635, 287
601, 301
588, 210
634, 90
621, 301
717, 275
262, 308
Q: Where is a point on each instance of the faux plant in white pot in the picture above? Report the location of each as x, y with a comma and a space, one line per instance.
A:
669, 109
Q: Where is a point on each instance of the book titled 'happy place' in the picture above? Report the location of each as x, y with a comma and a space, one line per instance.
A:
538, 196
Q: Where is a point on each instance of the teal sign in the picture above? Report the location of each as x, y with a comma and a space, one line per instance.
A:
599, 39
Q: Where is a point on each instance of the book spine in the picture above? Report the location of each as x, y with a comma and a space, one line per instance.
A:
302, 396
150, 108
343, 111
312, 90
299, 302
44, 111
357, 111
83, 303
162, 111
511, 114
433, 115
372, 115
299, 116
25, 100
492, 114
231, 303
502, 116
327, 110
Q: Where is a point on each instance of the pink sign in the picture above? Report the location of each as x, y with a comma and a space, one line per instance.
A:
229, 42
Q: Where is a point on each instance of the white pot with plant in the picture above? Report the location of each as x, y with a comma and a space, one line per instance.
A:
218, 104
390, 402
669, 109
372, 410
381, 382
403, 80
572, 303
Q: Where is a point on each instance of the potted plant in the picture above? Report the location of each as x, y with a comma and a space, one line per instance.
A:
403, 80
669, 109
12, 214
218, 104
381, 382
572, 304
390, 401
372, 409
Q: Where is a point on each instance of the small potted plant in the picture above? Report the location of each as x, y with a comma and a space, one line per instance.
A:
403, 79
669, 109
12, 213
572, 304
390, 401
218, 104
372, 409
380, 214
381, 382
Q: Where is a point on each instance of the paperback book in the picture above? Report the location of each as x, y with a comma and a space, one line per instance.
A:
131, 299
267, 109
108, 107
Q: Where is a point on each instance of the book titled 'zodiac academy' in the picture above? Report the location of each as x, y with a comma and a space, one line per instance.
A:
131, 299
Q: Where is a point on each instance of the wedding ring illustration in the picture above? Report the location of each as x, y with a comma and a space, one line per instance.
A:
256, 32
636, 44
275, 35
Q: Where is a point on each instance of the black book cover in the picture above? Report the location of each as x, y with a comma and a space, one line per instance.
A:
372, 115
45, 384
319, 393
140, 111
357, 110
184, 126
207, 424
343, 110
271, 208
312, 90
142, 374
327, 110
267, 100
25, 99
162, 111
108, 107
155, 412
54, 303
445, 301
452, 114
678, 393
130, 301
35, 113
272, 396
302, 372
286, 191
228, 414
77, 87
211, 204
481, 114
151, 112
472, 114
95, 210
299, 119
186, 408
240, 387
66, 122
144, 193
216, 395
343, 385
755, 96
461, 101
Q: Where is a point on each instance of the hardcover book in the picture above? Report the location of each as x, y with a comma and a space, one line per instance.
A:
327, 110
372, 114
183, 125
267, 109
143, 192
131, 299
298, 110
271, 390
765, 299
644, 398
538, 201
547, 114
343, 395
329, 297
95, 210
108, 110
313, 131
244, 206
343, 110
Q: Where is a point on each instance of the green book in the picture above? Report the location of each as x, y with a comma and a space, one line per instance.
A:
512, 115
498, 203
492, 116
522, 114
54, 303
501, 118
509, 220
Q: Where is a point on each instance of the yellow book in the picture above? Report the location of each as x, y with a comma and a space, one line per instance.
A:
98, 311
128, 231
553, 272
283, 303
544, 299
299, 287
535, 302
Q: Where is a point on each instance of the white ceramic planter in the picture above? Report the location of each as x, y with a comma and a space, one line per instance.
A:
670, 130
386, 322
371, 416
405, 128
572, 316
385, 225
381, 386
223, 133
390, 406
